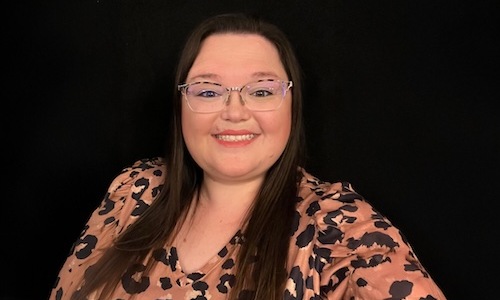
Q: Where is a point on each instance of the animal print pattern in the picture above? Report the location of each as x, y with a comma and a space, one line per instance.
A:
342, 248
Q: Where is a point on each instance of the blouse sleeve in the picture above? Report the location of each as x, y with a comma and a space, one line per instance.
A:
357, 252
128, 196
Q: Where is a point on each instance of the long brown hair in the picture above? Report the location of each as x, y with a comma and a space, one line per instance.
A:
260, 276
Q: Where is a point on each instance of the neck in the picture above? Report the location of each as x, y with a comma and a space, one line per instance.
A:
229, 197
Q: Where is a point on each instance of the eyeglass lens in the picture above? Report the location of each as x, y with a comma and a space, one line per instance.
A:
258, 96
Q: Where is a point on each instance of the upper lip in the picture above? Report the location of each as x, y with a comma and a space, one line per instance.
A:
234, 132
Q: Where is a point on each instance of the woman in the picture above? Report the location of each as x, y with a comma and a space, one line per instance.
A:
229, 213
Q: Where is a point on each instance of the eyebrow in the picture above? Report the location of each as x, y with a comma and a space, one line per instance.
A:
203, 77
215, 77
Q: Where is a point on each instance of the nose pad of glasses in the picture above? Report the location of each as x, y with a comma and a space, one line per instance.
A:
238, 93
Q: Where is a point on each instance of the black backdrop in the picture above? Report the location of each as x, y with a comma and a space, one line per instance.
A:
399, 101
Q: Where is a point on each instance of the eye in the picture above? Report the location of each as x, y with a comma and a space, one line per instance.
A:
204, 90
262, 89
207, 94
262, 93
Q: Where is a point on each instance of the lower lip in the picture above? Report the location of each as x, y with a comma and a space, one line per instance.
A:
234, 144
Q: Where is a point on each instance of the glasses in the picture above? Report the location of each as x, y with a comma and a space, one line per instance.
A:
210, 97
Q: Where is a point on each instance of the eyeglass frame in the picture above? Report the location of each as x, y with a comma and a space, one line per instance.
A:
184, 86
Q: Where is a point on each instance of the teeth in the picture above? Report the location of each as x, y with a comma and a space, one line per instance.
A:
235, 138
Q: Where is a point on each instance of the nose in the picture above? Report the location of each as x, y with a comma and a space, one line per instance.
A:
235, 109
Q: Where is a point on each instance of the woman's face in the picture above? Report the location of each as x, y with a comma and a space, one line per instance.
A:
236, 144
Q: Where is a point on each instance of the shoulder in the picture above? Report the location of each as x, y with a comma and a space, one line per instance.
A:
147, 173
130, 193
140, 181
351, 248
335, 214
153, 168
316, 195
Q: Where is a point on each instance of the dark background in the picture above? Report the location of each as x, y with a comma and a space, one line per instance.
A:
400, 100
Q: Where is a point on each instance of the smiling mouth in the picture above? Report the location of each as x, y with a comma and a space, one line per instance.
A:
234, 138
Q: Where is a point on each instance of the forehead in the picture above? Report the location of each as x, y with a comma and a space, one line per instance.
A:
237, 54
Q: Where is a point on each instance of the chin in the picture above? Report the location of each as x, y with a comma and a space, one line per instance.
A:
239, 173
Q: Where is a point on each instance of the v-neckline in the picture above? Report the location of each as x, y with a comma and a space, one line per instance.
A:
185, 278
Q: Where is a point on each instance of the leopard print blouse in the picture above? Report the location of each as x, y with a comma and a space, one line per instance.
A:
342, 248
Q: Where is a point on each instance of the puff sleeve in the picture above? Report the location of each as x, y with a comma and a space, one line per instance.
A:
353, 251
128, 196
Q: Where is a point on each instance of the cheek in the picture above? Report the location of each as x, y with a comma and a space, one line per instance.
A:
195, 125
278, 126
285, 129
285, 119
185, 120
190, 124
